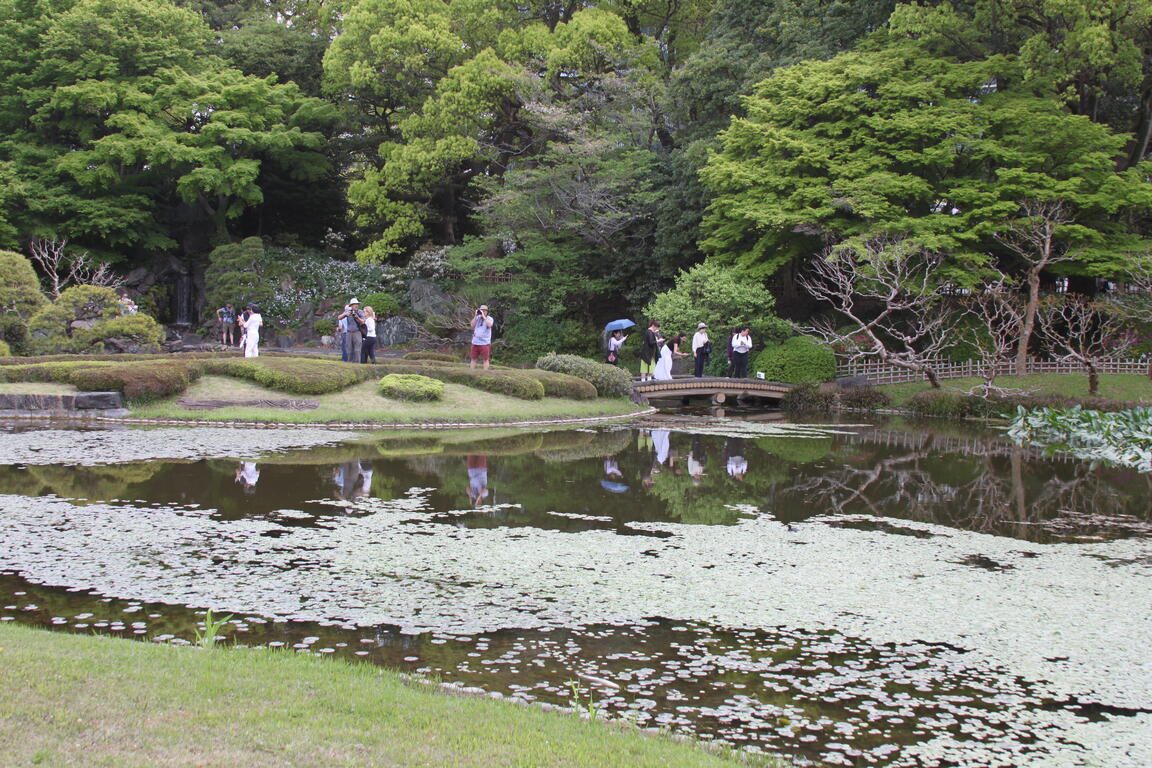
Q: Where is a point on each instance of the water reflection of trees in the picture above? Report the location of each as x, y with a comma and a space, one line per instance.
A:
998, 488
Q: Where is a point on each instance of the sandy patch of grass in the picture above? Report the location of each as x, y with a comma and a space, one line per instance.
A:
362, 404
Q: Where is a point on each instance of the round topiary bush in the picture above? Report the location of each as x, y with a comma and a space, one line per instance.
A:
799, 360
410, 386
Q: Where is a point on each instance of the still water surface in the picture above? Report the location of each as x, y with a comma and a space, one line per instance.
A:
796, 595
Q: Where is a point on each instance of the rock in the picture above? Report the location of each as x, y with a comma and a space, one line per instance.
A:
396, 330
98, 401
192, 339
426, 298
284, 341
85, 324
329, 341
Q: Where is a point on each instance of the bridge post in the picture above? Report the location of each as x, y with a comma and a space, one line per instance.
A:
719, 398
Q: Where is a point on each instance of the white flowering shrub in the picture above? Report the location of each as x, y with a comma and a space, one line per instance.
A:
306, 276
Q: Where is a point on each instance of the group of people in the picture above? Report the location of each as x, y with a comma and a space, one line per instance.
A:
244, 325
658, 353
356, 333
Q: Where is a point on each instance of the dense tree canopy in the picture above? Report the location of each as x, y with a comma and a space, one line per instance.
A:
582, 153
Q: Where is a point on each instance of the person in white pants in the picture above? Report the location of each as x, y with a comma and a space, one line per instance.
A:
252, 332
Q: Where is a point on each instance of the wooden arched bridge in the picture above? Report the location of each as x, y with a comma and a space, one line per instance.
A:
717, 388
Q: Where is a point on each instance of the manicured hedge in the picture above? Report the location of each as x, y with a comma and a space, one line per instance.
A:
137, 381
502, 382
410, 386
808, 397
864, 399
561, 384
609, 380
799, 360
293, 375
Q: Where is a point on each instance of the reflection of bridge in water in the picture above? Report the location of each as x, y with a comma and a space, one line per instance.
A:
719, 389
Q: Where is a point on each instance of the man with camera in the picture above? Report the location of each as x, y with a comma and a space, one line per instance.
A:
482, 336
352, 320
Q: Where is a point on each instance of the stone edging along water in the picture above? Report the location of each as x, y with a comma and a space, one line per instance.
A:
57, 415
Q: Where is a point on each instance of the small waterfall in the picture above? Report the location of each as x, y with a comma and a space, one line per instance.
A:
182, 300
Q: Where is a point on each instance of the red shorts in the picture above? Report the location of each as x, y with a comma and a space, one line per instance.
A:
481, 351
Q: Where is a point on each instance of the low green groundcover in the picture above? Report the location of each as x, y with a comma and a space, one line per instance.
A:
410, 386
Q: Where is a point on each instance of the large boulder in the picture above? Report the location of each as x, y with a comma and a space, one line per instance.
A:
396, 330
426, 298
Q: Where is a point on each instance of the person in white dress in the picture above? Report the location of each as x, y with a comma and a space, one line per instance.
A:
663, 370
251, 328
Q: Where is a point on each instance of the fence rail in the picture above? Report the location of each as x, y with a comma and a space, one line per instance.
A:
879, 373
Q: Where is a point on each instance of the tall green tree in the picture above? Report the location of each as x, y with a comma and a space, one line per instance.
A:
125, 123
897, 142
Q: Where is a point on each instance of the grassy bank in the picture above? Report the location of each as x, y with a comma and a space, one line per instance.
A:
92, 701
361, 404
1120, 387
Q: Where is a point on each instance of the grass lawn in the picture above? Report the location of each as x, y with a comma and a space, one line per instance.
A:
1120, 386
35, 388
361, 404
97, 701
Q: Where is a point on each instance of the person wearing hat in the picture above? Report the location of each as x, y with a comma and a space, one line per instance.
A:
482, 336
701, 348
353, 320
251, 325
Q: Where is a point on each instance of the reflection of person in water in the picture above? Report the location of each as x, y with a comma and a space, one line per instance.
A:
737, 464
660, 445
365, 480
696, 460
248, 474
477, 479
346, 478
611, 468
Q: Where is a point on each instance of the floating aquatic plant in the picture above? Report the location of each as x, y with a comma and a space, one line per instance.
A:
1123, 438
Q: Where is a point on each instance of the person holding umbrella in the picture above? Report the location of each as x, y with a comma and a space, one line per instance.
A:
613, 338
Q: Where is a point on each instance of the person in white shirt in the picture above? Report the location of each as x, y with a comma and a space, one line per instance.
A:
701, 348
368, 346
741, 346
251, 327
615, 341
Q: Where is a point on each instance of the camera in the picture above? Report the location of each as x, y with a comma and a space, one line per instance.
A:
478, 311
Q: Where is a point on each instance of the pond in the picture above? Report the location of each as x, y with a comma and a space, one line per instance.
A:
883, 594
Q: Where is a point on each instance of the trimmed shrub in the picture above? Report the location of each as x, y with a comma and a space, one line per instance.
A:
293, 375
442, 357
324, 326
123, 331
19, 287
561, 384
864, 398
502, 382
410, 386
5, 351
799, 360
137, 381
958, 405
609, 380
808, 397
383, 304
14, 332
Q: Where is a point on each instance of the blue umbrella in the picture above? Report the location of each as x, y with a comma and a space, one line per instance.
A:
619, 325
614, 487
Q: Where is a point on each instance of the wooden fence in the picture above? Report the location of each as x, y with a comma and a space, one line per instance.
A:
879, 373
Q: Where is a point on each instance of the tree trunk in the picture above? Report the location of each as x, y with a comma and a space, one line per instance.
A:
932, 379
1029, 320
1093, 380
